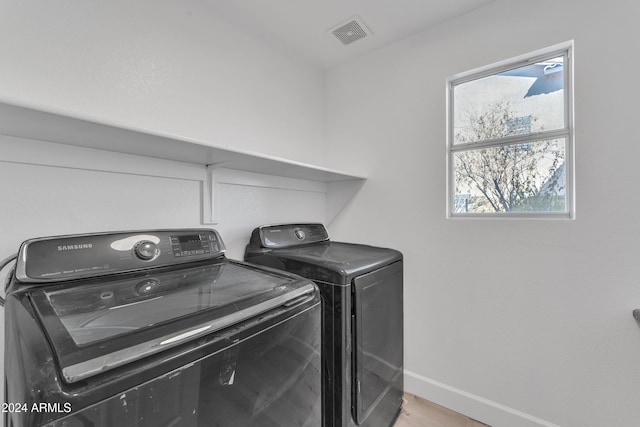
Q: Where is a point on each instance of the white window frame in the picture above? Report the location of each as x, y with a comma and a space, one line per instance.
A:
567, 132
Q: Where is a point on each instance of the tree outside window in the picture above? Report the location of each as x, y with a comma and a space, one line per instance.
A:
510, 137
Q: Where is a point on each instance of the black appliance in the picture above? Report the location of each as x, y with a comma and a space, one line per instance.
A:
157, 328
361, 288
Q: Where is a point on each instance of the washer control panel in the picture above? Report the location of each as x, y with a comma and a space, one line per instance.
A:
54, 259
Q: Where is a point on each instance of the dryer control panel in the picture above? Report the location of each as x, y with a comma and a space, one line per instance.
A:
59, 258
287, 235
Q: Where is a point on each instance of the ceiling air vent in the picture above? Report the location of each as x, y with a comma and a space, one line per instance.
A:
353, 30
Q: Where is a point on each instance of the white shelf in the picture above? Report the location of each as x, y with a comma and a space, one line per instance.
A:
72, 129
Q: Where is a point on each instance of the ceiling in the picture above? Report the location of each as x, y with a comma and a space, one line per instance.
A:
303, 25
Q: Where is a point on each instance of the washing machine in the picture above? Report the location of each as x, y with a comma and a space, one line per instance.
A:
157, 328
361, 289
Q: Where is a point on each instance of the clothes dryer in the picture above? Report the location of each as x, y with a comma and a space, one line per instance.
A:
361, 288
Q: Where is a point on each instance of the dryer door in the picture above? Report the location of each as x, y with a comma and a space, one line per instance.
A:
378, 337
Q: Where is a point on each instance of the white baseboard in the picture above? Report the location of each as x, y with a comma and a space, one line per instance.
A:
476, 407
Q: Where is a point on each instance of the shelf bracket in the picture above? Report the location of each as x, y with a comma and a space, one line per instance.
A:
339, 194
209, 190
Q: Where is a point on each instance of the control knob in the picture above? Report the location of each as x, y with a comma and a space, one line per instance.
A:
299, 233
147, 286
146, 250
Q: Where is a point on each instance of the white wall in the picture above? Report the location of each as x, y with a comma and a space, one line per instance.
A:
170, 66
103, 191
515, 323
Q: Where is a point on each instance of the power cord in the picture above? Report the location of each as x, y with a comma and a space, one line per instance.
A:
3, 265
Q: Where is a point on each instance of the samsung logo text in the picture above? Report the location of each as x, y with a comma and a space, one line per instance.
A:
75, 247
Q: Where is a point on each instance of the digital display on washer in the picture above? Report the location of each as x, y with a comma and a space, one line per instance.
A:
191, 242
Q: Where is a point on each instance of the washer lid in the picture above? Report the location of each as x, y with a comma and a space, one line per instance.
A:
95, 326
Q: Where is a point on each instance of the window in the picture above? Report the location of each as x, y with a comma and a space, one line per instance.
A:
510, 138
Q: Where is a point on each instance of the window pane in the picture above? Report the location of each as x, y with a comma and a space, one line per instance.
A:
515, 102
526, 177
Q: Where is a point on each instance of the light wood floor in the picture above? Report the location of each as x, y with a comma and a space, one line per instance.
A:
417, 412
